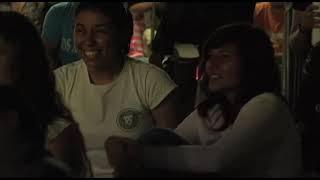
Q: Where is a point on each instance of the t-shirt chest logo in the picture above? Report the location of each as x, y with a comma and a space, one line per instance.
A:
128, 119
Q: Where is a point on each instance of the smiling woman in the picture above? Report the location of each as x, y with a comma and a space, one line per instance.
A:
108, 92
95, 40
222, 68
102, 39
243, 128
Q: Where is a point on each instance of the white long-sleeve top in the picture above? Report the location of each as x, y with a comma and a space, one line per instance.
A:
263, 141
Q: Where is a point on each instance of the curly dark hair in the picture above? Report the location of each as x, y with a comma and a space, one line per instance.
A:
259, 71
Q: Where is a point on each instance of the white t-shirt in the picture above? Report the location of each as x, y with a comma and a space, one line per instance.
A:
121, 108
56, 128
263, 141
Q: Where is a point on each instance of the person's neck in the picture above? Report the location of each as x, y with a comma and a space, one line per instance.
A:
106, 75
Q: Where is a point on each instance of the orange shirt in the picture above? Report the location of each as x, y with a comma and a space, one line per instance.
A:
272, 21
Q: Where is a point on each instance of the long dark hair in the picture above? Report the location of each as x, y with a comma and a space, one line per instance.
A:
259, 71
33, 80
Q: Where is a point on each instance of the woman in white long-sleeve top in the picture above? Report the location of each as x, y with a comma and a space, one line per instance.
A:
244, 128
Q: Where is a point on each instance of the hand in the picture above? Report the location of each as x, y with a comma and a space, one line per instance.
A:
123, 154
311, 17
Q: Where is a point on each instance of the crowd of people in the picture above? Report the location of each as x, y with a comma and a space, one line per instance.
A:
90, 89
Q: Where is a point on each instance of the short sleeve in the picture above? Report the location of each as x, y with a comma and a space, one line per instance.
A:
157, 86
51, 30
65, 78
56, 128
60, 81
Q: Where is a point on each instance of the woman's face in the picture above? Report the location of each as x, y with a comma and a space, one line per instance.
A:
95, 38
223, 68
6, 57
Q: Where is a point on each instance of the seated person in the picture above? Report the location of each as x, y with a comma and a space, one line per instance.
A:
182, 29
25, 68
107, 92
244, 128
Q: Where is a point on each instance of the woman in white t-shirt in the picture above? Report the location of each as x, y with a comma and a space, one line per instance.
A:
107, 92
244, 128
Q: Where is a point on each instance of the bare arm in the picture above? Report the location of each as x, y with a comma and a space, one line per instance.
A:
165, 114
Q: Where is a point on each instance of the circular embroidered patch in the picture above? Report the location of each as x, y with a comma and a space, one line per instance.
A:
128, 119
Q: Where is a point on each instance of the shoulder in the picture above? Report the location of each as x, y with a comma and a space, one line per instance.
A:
69, 70
66, 75
269, 98
60, 5
144, 68
137, 64
60, 8
150, 75
265, 106
265, 100
265, 117
152, 83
